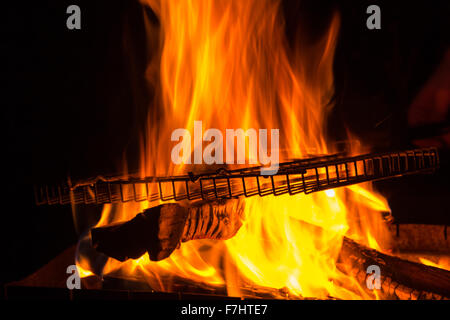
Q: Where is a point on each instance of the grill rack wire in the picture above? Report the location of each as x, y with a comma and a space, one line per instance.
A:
293, 177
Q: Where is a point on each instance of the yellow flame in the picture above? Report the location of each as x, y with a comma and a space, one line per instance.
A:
83, 266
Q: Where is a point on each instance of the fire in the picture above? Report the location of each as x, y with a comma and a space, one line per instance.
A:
228, 64
442, 262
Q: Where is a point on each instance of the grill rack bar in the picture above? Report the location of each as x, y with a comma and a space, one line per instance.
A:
307, 175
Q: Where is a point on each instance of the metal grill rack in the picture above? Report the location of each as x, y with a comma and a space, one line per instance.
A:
299, 176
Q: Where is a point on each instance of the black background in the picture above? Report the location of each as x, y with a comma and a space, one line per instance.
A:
72, 102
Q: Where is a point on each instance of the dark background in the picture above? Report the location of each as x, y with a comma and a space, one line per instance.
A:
72, 102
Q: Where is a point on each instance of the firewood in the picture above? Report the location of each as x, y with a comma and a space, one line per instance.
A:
400, 279
160, 230
217, 220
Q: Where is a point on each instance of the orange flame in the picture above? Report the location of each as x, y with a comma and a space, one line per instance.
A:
228, 64
442, 262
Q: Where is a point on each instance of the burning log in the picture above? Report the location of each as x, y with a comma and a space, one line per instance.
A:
160, 230
400, 278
